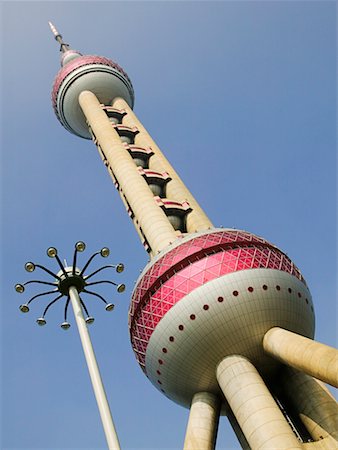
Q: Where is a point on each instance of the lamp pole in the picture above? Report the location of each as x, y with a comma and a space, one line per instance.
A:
70, 282
94, 372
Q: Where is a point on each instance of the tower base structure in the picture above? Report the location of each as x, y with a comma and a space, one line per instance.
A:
203, 422
256, 411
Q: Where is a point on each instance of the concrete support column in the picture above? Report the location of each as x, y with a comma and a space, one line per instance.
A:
258, 415
306, 355
316, 407
176, 190
203, 422
149, 216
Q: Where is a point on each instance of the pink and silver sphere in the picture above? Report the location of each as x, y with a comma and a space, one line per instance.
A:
211, 295
106, 79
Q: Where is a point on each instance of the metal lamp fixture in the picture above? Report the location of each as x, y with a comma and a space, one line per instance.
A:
70, 282
68, 277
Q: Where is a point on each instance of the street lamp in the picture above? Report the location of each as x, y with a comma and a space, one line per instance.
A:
70, 282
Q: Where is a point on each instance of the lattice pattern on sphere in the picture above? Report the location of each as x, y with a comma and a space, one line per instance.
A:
191, 265
80, 62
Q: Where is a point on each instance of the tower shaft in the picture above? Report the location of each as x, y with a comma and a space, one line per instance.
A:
140, 172
197, 220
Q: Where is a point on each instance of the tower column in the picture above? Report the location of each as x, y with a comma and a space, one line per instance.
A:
197, 220
256, 411
316, 359
316, 407
203, 422
150, 218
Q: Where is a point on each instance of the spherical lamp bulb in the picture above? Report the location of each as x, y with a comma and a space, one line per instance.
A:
24, 308
121, 288
105, 252
41, 321
110, 307
30, 267
80, 246
89, 320
52, 252
19, 288
119, 268
65, 325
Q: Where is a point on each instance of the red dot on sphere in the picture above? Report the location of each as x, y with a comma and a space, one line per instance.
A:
278, 287
181, 327
158, 372
205, 307
250, 289
220, 299
265, 287
171, 338
160, 361
235, 293
192, 316
164, 350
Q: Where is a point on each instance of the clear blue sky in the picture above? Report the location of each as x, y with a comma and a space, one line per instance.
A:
241, 97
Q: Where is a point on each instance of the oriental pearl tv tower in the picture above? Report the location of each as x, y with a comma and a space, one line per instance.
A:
221, 321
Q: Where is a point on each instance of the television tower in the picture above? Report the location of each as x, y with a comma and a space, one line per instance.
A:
221, 320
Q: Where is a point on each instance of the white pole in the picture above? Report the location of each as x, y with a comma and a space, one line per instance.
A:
101, 398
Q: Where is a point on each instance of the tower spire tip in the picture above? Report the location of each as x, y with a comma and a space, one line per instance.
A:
58, 37
53, 29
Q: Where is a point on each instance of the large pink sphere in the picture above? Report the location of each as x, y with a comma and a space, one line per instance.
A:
210, 295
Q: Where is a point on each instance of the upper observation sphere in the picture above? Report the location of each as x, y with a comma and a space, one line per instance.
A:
102, 76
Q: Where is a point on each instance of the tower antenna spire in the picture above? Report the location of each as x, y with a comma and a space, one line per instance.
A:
58, 37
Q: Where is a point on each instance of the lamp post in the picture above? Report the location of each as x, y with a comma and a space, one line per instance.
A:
70, 282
